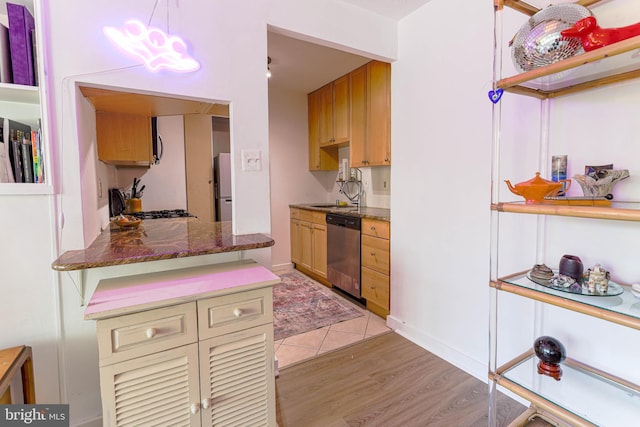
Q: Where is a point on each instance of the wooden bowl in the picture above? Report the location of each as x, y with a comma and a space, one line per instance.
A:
127, 221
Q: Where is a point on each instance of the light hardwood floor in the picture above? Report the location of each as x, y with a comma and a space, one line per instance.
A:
384, 381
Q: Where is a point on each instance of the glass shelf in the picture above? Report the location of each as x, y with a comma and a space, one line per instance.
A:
582, 394
606, 65
621, 211
623, 309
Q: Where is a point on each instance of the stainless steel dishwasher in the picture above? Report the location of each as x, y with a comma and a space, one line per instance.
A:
343, 253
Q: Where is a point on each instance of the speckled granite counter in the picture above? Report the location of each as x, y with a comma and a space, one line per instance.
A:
158, 239
380, 214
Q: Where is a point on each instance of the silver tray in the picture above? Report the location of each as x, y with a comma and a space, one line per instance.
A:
612, 290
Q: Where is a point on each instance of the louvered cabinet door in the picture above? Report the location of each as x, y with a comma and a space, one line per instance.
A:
161, 389
237, 379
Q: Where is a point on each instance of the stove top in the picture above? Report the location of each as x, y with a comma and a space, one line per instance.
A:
172, 213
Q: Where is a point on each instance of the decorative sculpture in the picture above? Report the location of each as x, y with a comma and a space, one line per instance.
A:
551, 353
594, 37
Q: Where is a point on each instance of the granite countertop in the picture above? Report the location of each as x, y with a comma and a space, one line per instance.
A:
157, 239
381, 214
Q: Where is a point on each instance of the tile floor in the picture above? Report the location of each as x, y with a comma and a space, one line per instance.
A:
310, 344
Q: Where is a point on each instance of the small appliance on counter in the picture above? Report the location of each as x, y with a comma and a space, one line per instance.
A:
117, 203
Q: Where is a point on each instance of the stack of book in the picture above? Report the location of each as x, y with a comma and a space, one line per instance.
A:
18, 61
20, 153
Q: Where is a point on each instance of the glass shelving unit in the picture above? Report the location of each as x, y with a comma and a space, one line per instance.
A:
585, 396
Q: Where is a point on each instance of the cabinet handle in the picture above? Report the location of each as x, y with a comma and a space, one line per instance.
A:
151, 332
373, 228
194, 408
373, 254
206, 403
238, 312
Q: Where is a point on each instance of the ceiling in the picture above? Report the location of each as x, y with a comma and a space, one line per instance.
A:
303, 66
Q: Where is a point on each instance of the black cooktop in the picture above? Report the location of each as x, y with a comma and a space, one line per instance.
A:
166, 213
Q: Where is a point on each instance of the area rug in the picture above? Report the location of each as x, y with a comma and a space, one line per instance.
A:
301, 304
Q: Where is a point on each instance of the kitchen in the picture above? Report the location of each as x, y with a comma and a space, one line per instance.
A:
424, 174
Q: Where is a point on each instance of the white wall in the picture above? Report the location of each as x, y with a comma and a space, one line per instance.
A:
441, 140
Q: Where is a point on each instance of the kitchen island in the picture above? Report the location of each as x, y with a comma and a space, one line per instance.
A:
175, 319
159, 239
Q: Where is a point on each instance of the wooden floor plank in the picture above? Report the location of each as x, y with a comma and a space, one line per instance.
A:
384, 381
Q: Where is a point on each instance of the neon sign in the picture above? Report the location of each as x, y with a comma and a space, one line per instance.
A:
152, 45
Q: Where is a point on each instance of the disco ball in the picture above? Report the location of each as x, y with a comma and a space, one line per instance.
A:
539, 42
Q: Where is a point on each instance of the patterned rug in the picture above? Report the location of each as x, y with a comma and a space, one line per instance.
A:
301, 304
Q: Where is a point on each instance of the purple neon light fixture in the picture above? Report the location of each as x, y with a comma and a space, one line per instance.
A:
156, 48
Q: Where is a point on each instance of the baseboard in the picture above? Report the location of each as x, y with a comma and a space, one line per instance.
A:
97, 422
469, 365
282, 268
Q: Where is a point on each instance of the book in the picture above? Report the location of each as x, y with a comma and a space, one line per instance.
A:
15, 132
6, 72
21, 23
6, 170
16, 157
27, 159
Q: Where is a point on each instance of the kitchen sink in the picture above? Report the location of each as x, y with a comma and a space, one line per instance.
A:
333, 205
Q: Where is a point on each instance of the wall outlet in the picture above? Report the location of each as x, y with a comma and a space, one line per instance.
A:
100, 189
251, 160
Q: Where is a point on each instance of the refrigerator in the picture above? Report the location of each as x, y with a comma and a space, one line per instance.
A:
222, 186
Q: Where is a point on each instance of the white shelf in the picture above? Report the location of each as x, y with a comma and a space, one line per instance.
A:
19, 93
24, 189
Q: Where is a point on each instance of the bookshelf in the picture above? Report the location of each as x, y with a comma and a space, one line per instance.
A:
22, 103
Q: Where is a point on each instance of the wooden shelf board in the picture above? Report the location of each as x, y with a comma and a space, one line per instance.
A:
621, 211
610, 64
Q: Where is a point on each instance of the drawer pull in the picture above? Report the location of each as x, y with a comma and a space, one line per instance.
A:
373, 228
151, 332
194, 408
373, 254
206, 403
238, 312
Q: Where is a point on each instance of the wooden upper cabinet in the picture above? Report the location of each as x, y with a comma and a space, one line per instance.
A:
370, 143
378, 113
354, 111
358, 89
325, 115
124, 139
341, 110
319, 158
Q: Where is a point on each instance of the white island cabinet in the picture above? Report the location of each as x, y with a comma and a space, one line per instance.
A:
189, 347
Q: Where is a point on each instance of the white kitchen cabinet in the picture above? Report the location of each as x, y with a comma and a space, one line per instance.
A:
579, 396
27, 104
205, 362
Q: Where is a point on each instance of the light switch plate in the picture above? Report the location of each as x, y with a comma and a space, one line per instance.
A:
251, 160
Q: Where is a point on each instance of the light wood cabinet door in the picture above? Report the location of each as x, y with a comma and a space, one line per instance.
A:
320, 250
162, 388
341, 110
306, 245
319, 158
375, 254
325, 114
295, 241
198, 147
358, 95
237, 386
124, 139
378, 113
375, 287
